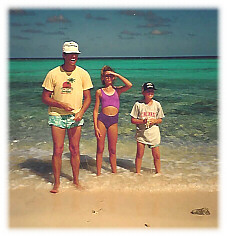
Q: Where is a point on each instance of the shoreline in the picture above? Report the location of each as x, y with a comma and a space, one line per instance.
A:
72, 208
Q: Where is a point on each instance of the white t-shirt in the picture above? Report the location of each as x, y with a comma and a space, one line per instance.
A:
141, 110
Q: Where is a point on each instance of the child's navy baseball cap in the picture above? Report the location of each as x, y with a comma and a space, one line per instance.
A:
148, 85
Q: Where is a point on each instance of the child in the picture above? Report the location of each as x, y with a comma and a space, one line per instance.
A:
147, 114
107, 120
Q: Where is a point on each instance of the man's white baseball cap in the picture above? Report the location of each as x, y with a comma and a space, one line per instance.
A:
70, 47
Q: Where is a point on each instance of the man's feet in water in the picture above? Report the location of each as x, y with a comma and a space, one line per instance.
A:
78, 186
55, 188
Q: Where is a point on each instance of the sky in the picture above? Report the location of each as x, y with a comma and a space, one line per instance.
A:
113, 32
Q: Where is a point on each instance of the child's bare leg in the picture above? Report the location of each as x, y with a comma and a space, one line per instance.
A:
139, 156
157, 161
99, 163
112, 133
100, 147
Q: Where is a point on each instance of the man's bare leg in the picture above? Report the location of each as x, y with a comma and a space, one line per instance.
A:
74, 135
58, 135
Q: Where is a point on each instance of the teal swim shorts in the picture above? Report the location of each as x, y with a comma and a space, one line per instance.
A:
64, 121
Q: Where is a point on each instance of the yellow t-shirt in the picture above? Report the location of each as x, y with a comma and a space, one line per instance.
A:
67, 87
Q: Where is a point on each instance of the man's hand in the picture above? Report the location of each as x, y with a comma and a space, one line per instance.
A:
79, 116
66, 106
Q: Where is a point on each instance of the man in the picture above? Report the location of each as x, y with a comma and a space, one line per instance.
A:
66, 90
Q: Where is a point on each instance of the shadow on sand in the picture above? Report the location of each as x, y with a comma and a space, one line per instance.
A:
44, 168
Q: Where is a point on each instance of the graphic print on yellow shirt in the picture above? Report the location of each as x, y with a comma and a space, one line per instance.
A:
67, 86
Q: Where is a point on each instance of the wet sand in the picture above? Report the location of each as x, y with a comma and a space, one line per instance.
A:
71, 208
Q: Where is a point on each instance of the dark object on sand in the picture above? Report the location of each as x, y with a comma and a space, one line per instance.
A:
202, 211
96, 211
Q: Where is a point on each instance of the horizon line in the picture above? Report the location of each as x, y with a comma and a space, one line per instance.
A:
118, 57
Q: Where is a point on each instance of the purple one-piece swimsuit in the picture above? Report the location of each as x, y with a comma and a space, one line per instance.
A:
109, 100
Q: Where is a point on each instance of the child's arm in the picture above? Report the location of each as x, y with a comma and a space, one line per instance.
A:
127, 83
95, 113
154, 121
138, 121
148, 122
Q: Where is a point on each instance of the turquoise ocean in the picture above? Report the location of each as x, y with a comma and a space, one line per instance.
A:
187, 89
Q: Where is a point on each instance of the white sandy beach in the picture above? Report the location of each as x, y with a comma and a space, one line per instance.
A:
104, 209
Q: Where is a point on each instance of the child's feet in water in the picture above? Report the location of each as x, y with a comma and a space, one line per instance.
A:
157, 174
139, 174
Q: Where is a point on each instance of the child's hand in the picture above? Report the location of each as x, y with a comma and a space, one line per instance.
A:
147, 123
111, 73
98, 133
150, 122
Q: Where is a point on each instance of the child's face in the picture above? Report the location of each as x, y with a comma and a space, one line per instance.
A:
148, 94
108, 78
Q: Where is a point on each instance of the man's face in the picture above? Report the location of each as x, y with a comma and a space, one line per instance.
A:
70, 58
